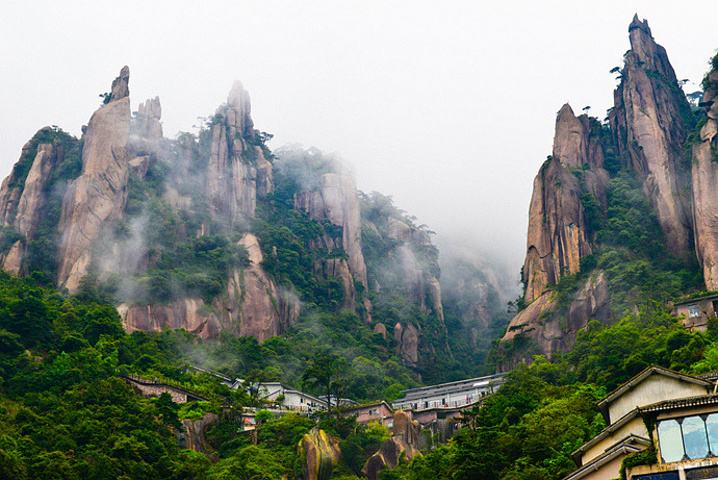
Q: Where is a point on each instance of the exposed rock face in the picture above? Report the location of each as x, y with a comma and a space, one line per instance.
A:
147, 121
255, 300
421, 284
11, 190
558, 235
335, 200
403, 444
251, 306
22, 200
184, 313
407, 340
380, 328
195, 430
12, 260
237, 169
649, 128
30, 204
9, 196
99, 194
705, 179
475, 292
549, 330
319, 453
120, 85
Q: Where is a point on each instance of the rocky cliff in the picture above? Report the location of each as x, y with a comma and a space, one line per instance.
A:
704, 154
546, 327
227, 173
569, 189
401, 447
649, 122
22, 200
204, 232
559, 233
99, 194
237, 170
320, 453
402, 260
333, 198
646, 134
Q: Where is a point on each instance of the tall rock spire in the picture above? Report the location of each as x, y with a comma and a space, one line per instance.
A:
237, 170
99, 193
705, 178
558, 235
23, 197
649, 124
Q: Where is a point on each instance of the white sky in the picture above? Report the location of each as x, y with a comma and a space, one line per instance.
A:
448, 106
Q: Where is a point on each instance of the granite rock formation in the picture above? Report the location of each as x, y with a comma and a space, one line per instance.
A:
546, 329
649, 127
125, 200
251, 306
334, 199
558, 233
99, 194
320, 453
648, 122
402, 446
559, 236
705, 178
237, 169
195, 430
22, 201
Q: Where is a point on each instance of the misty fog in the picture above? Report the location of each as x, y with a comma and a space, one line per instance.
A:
448, 107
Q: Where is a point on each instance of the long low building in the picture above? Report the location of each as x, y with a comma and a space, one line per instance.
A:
289, 398
450, 395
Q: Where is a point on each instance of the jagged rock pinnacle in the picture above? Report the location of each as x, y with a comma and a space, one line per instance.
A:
638, 24
120, 85
565, 111
239, 101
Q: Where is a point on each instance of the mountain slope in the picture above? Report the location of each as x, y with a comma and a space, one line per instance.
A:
214, 233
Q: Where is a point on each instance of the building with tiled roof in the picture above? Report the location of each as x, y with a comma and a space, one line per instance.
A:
662, 425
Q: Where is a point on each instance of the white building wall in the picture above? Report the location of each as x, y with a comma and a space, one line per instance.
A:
655, 388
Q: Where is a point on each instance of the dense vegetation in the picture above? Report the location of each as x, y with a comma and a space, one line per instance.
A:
544, 412
66, 413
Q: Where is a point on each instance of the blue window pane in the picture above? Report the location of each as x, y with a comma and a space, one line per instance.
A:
658, 476
694, 436
712, 424
669, 441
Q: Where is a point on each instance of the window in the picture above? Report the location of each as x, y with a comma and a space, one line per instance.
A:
712, 429
694, 311
702, 473
691, 438
669, 438
658, 476
695, 438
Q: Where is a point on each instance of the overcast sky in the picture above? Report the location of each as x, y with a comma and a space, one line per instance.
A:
448, 106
